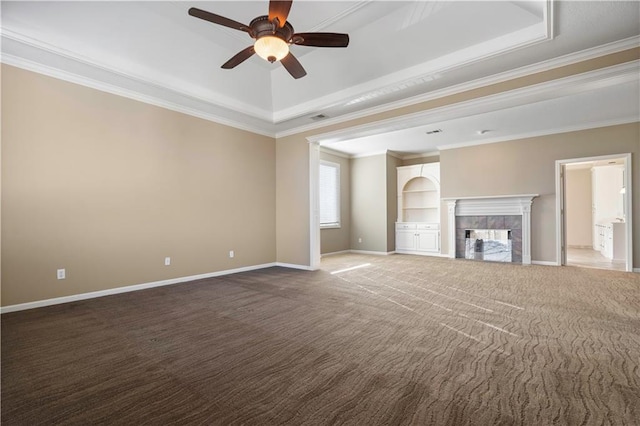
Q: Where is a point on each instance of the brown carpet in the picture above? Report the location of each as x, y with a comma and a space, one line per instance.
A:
405, 340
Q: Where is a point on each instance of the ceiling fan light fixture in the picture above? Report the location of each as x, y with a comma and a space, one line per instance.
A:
271, 48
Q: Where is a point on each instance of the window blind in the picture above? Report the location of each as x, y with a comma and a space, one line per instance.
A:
329, 194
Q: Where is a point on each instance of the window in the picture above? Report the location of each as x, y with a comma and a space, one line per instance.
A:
329, 195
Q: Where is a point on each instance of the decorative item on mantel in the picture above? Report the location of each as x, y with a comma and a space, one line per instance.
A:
504, 212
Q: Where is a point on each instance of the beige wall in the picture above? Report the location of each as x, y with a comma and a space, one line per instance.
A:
107, 187
292, 201
392, 200
293, 246
578, 208
527, 166
339, 239
368, 203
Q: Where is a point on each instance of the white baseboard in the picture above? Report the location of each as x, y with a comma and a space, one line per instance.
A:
377, 253
636, 269
126, 289
294, 266
590, 246
543, 263
422, 253
335, 252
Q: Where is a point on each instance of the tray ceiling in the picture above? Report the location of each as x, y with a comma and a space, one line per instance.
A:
156, 52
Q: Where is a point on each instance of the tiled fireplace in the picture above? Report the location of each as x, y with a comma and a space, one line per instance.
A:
510, 223
473, 219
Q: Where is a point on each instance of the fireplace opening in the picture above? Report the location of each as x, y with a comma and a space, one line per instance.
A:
494, 245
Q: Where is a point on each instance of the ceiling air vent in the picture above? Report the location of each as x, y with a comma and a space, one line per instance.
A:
319, 117
431, 132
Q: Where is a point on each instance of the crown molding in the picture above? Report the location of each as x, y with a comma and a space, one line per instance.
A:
561, 61
221, 100
257, 120
126, 93
371, 154
330, 151
422, 72
149, 84
547, 90
424, 155
545, 132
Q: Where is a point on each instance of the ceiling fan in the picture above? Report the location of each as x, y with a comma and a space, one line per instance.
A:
273, 35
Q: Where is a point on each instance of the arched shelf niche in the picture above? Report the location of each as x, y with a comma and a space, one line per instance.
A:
419, 193
420, 201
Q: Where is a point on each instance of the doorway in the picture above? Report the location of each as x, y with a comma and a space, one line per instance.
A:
594, 212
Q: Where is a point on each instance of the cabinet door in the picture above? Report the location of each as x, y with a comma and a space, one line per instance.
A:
608, 242
428, 241
405, 240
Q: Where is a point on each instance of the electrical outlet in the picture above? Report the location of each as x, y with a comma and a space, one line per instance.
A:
62, 274
167, 261
359, 240
231, 254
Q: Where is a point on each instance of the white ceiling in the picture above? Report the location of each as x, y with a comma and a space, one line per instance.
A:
399, 50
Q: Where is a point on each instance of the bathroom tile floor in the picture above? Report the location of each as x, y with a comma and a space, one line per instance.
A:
591, 259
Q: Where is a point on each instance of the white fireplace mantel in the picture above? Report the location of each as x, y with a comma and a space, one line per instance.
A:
492, 205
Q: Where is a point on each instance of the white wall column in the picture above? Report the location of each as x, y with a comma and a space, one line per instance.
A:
526, 232
451, 224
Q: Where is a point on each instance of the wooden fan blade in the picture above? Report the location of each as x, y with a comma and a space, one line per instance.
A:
217, 19
293, 66
239, 58
321, 39
279, 9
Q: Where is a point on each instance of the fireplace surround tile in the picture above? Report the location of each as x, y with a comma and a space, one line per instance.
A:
489, 222
472, 222
492, 212
496, 222
513, 222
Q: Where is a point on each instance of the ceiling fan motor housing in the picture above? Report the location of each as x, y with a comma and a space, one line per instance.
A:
273, 37
261, 26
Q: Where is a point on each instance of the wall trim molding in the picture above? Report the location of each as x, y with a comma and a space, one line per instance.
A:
552, 89
333, 253
545, 132
561, 61
428, 71
129, 94
329, 151
221, 100
135, 287
268, 126
543, 263
375, 253
294, 266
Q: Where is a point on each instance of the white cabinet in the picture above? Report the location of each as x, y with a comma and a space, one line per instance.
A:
417, 238
418, 226
610, 240
428, 241
607, 201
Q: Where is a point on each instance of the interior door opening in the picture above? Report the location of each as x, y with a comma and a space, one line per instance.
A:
594, 212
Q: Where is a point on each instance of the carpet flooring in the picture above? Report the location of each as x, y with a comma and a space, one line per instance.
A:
367, 340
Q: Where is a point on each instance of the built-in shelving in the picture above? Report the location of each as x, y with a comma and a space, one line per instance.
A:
418, 227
